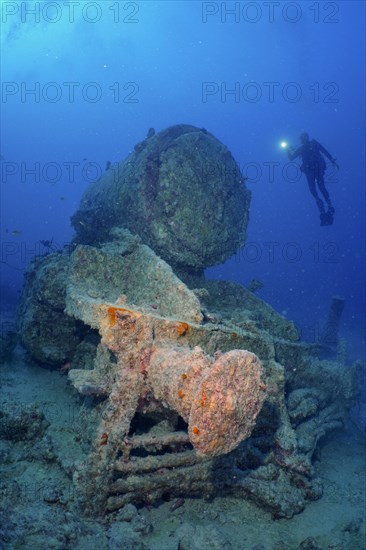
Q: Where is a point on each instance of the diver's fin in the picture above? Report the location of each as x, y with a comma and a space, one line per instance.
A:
326, 218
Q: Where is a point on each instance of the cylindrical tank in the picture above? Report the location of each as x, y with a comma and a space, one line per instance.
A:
180, 190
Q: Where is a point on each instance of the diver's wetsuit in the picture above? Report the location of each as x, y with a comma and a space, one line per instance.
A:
313, 166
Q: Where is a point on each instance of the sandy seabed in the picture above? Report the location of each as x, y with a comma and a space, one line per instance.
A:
38, 505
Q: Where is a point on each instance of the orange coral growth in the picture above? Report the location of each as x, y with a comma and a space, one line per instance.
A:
181, 394
112, 316
203, 399
234, 335
182, 328
112, 313
184, 376
195, 430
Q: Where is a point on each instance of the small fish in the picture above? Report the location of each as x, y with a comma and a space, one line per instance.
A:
16, 233
177, 504
47, 243
255, 284
104, 439
62, 198
66, 367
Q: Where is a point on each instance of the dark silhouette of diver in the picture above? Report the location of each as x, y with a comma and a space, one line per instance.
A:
313, 165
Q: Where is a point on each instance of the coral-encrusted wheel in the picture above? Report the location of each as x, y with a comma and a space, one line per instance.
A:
227, 403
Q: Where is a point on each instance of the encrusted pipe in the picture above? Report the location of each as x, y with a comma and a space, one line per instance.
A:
329, 335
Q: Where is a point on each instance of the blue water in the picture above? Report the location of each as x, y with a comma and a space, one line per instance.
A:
82, 83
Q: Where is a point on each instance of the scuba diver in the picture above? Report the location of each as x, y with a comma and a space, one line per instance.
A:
313, 165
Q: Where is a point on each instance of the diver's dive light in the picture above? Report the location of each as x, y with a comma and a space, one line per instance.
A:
284, 144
